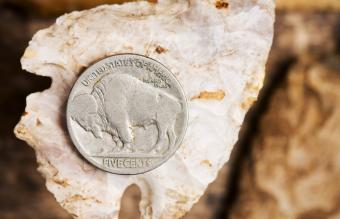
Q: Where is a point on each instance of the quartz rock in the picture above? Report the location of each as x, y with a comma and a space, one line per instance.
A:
216, 49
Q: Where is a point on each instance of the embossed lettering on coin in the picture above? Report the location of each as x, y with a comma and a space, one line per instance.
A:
127, 114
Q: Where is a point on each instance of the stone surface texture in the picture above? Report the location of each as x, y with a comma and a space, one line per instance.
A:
217, 53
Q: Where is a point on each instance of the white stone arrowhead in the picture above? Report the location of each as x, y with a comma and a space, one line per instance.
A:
216, 50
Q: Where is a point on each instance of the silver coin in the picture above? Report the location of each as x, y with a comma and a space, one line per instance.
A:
127, 114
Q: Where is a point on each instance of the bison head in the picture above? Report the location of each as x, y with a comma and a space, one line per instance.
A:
84, 111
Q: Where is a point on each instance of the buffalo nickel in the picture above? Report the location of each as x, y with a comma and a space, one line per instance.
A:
127, 114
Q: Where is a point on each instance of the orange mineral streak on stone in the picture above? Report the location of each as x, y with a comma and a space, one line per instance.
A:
252, 87
20, 130
248, 102
153, 1
30, 53
206, 163
180, 211
160, 49
221, 4
210, 95
77, 197
61, 182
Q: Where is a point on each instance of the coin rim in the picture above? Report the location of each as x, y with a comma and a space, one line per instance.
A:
133, 171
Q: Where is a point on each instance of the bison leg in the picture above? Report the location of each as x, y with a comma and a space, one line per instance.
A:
119, 143
120, 121
161, 145
126, 136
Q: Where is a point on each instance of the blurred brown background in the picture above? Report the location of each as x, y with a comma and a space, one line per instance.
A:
287, 161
